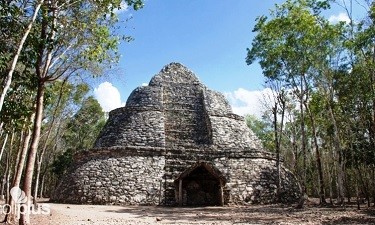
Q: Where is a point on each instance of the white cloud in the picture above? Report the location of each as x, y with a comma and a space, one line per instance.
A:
245, 102
108, 96
341, 17
124, 8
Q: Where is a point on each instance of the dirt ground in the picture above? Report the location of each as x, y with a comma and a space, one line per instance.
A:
64, 214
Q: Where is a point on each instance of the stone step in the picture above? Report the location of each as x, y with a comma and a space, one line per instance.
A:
181, 127
185, 134
186, 113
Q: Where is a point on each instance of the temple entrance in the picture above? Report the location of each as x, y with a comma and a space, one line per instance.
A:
200, 185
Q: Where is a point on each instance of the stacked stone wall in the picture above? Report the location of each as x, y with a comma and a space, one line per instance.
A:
216, 104
140, 123
254, 180
232, 132
146, 98
251, 178
174, 73
185, 121
136, 128
133, 180
139, 176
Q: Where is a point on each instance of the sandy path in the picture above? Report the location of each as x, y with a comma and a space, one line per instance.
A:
63, 214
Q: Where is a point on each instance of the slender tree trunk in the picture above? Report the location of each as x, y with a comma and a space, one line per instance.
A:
278, 136
318, 157
363, 180
330, 188
347, 187
8, 165
8, 79
8, 172
36, 187
23, 154
41, 193
372, 85
10, 216
277, 146
357, 193
3, 185
19, 150
49, 132
340, 165
368, 191
25, 218
295, 149
3, 146
1, 128
373, 184
303, 146
373, 115
340, 179
3, 181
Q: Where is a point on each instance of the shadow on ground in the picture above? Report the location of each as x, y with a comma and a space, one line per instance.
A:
258, 214
365, 216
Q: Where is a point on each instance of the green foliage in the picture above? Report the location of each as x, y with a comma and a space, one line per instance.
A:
19, 105
85, 125
137, 4
92, 40
263, 130
62, 163
68, 40
329, 70
294, 39
77, 35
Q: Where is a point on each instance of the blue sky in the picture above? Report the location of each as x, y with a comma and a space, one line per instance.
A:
208, 36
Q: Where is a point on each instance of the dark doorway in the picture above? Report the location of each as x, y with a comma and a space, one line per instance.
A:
200, 185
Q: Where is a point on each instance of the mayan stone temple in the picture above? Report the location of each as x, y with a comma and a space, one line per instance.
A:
176, 142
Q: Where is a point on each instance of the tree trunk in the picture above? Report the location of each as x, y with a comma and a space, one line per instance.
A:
340, 179
19, 148
41, 193
277, 146
8, 79
295, 149
303, 147
49, 132
10, 216
347, 187
9, 171
365, 186
322, 196
330, 188
36, 187
340, 165
2, 192
280, 99
1, 128
23, 154
3, 146
25, 218
43, 64
373, 184
8, 165
357, 193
